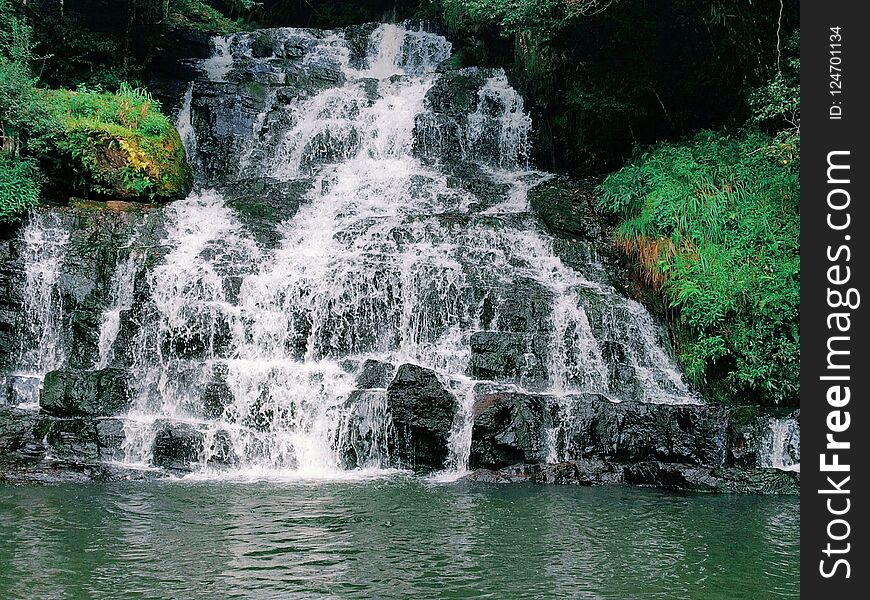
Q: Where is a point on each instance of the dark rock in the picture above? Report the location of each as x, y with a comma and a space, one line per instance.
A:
694, 434
216, 394
513, 427
509, 428
566, 208
71, 440
263, 204
176, 445
422, 412
375, 374
678, 477
509, 357
85, 393
699, 479
756, 431
110, 438
20, 443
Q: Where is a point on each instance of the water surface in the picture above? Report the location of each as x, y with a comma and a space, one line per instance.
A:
396, 538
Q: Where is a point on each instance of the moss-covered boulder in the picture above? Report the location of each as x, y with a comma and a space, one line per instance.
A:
114, 145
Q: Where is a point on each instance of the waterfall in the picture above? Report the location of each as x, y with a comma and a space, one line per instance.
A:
45, 238
257, 348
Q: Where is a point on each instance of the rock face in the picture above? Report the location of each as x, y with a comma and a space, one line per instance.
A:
100, 393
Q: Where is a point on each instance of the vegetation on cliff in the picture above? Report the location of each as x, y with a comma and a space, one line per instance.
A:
117, 145
84, 142
713, 225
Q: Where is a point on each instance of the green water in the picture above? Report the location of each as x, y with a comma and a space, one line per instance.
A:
399, 538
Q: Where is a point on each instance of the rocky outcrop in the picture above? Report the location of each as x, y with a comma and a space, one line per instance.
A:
263, 203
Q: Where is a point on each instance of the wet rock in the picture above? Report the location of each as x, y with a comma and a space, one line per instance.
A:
264, 203
110, 438
509, 428
375, 374
85, 393
694, 434
672, 476
176, 445
19, 441
439, 132
512, 427
422, 412
71, 440
699, 479
509, 357
763, 436
216, 394
566, 208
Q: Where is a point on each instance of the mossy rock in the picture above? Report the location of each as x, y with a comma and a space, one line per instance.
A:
117, 145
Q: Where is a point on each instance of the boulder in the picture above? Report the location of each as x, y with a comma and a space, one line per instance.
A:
375, 374
567, 208
68, 393
422, 412
509, 428
176, 445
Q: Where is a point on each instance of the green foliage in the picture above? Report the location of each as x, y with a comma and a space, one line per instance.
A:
713, 224
545, 18
19, 187
117, 144
778, 102
201, 16
19, 106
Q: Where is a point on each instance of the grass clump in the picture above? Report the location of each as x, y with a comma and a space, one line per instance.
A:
20, 183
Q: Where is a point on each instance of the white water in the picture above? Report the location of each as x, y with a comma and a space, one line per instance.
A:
385, 259
120, 299
45, 239
774, 452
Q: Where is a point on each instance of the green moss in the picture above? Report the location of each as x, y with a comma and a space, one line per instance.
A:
117, 145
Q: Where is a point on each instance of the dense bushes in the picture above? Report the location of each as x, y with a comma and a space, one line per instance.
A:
20, 113
713, 225
84, 142
19, 186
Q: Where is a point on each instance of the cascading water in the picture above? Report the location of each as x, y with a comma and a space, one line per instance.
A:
386, 259
779, 443
121, 299
41, 344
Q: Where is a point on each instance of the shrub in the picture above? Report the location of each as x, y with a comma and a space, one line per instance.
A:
19, 187
713, 225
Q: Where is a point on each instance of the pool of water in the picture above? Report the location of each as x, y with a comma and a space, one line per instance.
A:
395, 538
